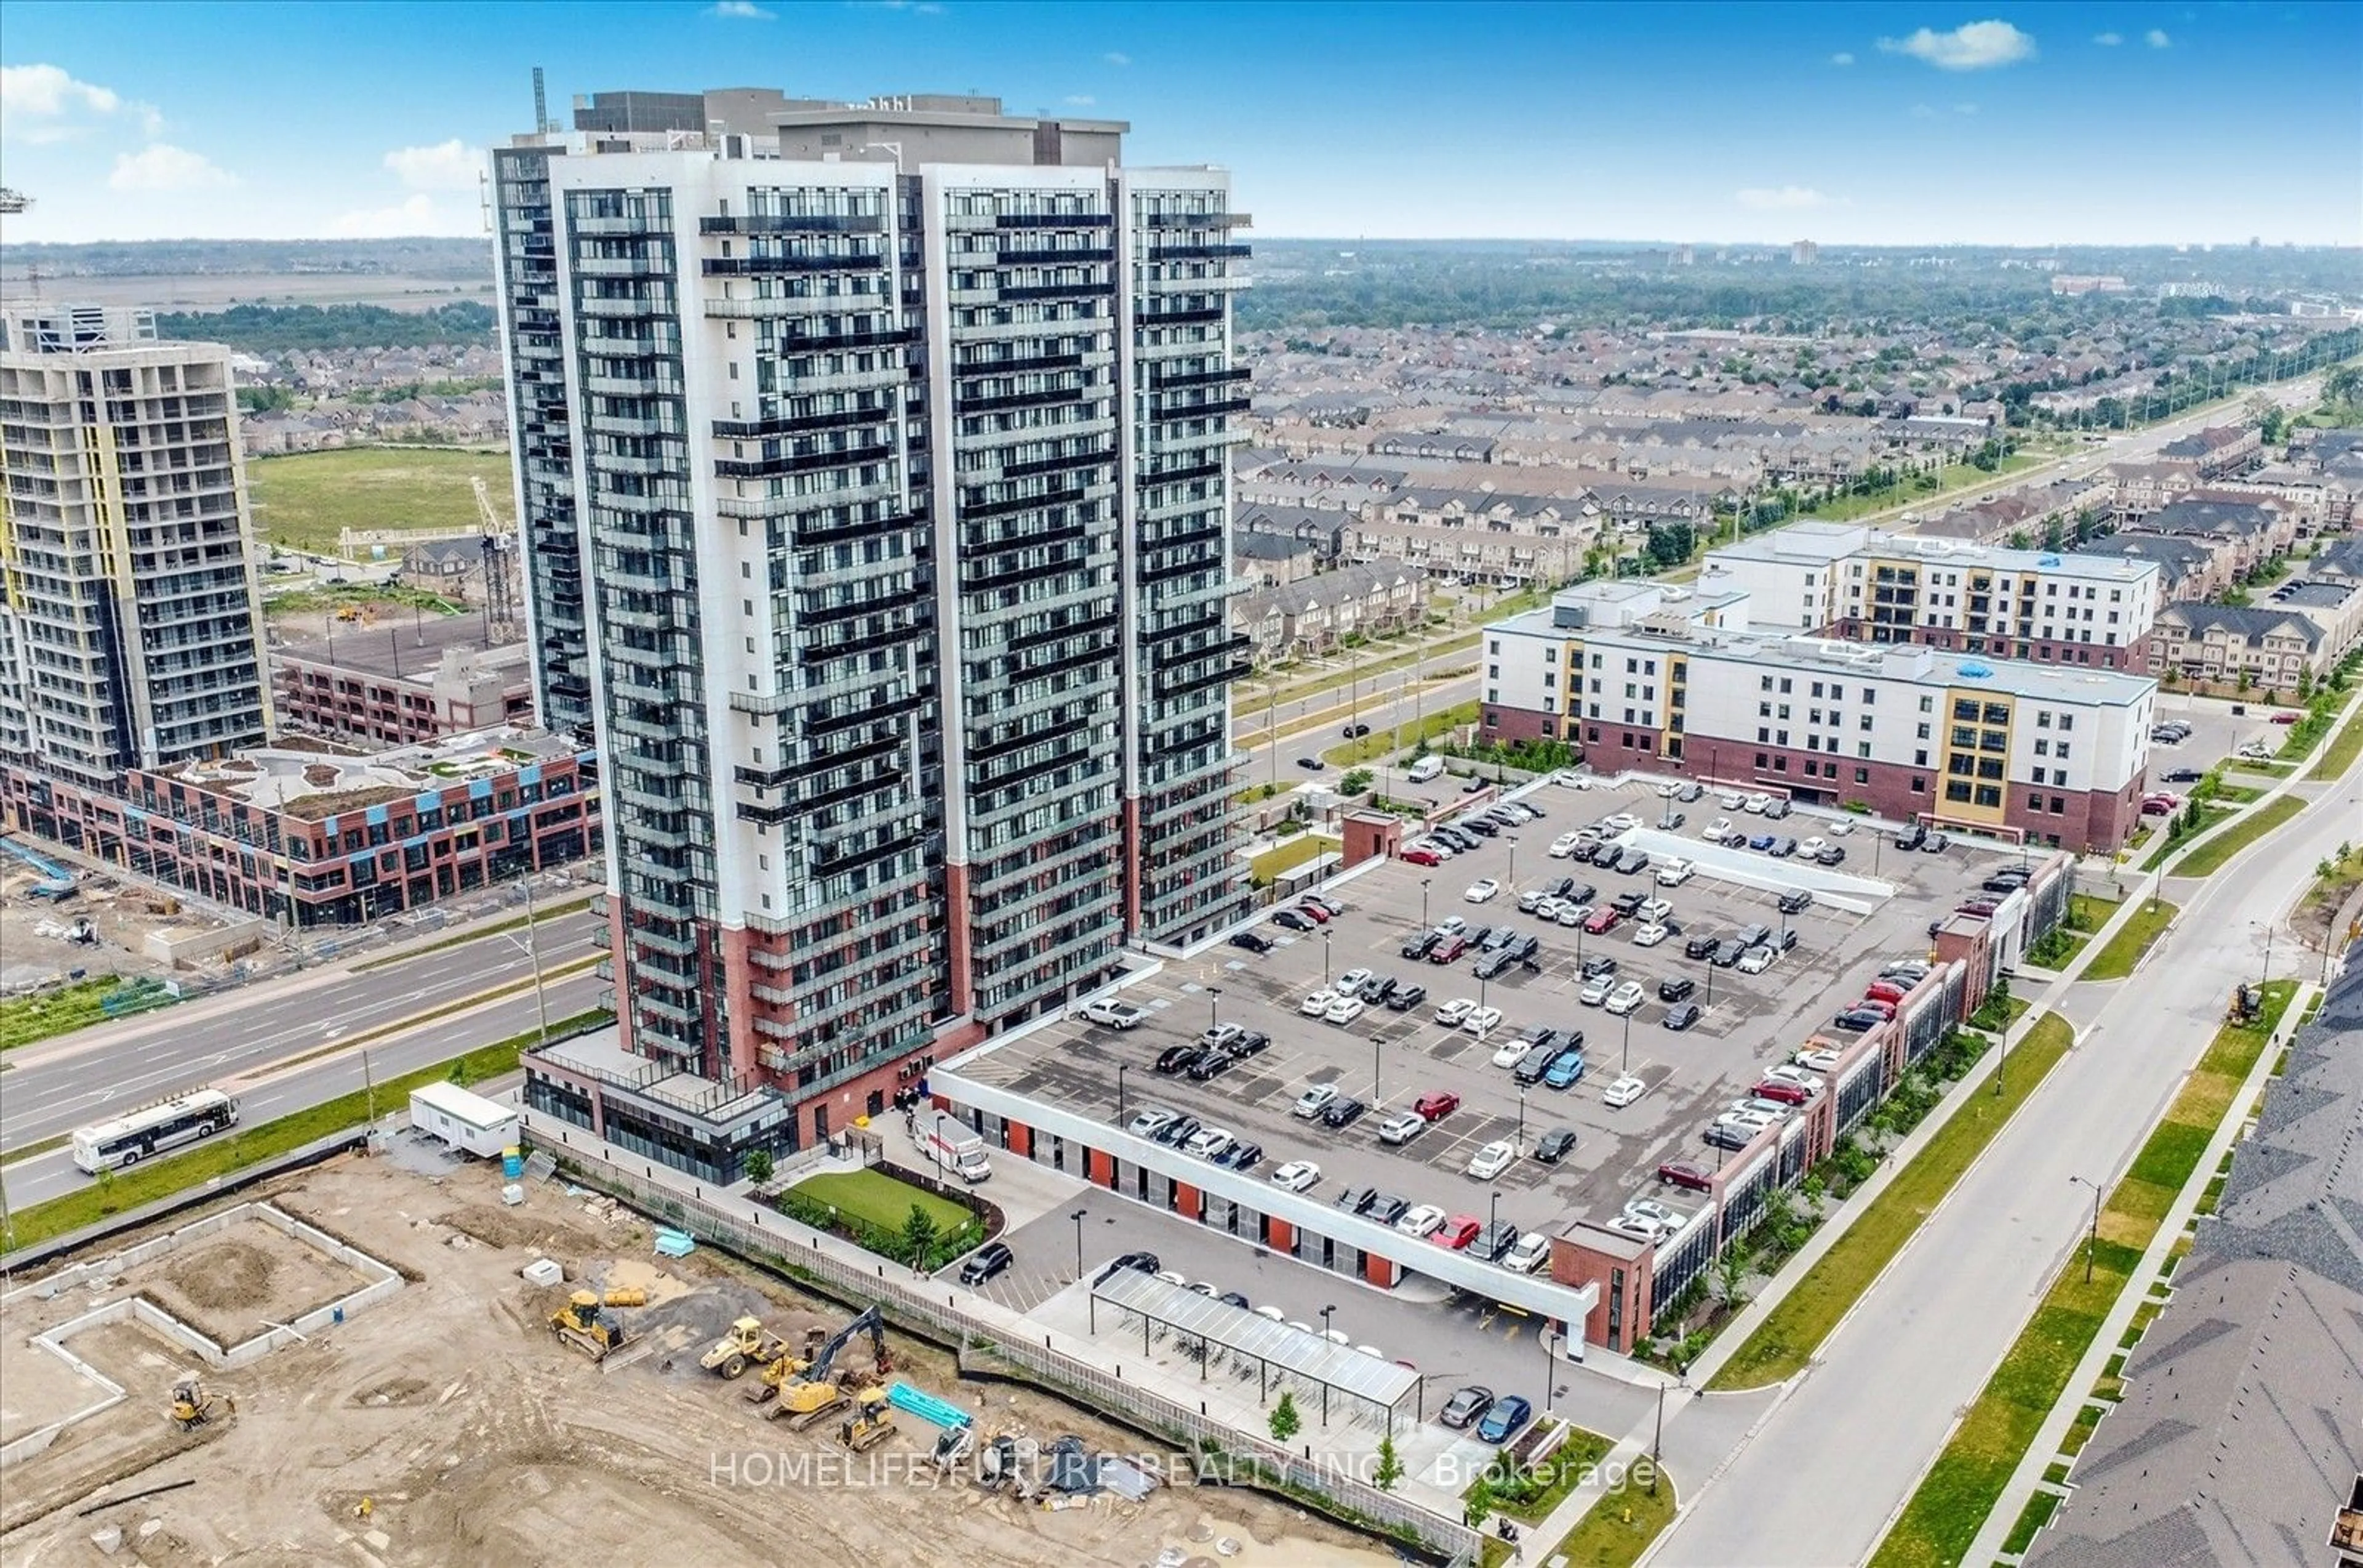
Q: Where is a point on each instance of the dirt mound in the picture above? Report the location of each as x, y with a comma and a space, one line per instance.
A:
228, 1275
521, 1228
393, 1391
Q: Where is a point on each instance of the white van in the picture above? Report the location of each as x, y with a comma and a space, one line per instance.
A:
1426, 768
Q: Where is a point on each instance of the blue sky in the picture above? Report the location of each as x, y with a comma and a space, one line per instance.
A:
1874, 123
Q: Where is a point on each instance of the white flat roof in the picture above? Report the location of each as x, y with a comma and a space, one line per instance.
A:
460, 1105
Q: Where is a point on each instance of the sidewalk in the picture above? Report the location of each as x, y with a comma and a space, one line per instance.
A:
2043, 1451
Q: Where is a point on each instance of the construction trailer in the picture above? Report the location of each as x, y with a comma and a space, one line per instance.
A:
470, 1123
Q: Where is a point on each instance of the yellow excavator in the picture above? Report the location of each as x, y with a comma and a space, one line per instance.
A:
812, 1393
193, 1407
870, 1425
747, 1343
581, 1323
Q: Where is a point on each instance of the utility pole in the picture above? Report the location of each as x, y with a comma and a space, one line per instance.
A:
369, 1088
533, 952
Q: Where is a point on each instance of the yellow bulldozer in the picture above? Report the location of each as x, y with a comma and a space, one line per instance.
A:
872, 1424
582, 1324
747, 1343
192, 1406
808, 1391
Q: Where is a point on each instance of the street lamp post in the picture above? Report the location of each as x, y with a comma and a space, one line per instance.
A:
1425, 884
2092, 1239
1078, 1218
1121, 1069
1625, 1063
1521, 1140
1325, 960
1213, 1009
1511, 881
1493, 1213
1374, 1070
1325, 1382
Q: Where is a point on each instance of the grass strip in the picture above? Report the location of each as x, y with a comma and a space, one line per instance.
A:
1529, 1497
1961, 1490
2209, 857
1619, 1527
2342, 751
249, 1145
1287, 854
2124, 949
1386, 742
2168, 844
543, 917
1790, 1334
47, 1014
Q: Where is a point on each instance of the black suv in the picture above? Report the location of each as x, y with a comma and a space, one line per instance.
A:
1581, 892
1628, 904
1730, 951
1415, 946
1386, 1208
1404, 998
1753, 935
1353, 1200
1597, 964
1701, 946
1910, 836
1533, 1065
1676, 988
1342, 1111
1489, 966
1796, 901
1493, 1241
1211, 1063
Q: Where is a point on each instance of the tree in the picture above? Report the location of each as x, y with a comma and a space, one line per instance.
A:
1479, 1501
1285, 1422
919, 1235
1731, 1273
1391, 1465
759, 1166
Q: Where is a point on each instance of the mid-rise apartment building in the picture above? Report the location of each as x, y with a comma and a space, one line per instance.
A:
873, 463
1862, 583
128, 630
2009, 747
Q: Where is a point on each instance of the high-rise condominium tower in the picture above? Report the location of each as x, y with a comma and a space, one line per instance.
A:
873, 462
129, 635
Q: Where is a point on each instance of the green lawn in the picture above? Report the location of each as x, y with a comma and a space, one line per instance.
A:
2344, 750
1955, 477
1794, 1330
880, 1199
301, 501
1381, 743
2124, 949
47, 1014
1619, 1528
1961, 1490
1287, 854
1578, 1451
2170, 845
2211, 856
249, 1145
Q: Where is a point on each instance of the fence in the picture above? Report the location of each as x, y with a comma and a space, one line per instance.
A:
1348, 1497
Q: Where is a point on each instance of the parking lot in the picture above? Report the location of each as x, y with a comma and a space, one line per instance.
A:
2217, 732
1389, 1058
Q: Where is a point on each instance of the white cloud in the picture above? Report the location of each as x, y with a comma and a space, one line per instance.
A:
43, 104
1781, 198
1118, 58
1080, 100
47, 90
1973, 46
2108, 41
450, 165
1841, 59
415, 215
740, 11
917, 7
2156, 37
161, 167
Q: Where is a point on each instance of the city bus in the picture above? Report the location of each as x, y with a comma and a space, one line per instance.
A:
149, 1131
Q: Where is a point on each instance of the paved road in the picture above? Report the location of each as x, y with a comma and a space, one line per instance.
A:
1277, 762
55, 1087
45, 1176
1829, 1468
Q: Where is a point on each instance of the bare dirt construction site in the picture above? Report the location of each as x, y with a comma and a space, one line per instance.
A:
446, 1423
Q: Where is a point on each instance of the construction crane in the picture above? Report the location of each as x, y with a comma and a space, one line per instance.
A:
13, 202
498, 545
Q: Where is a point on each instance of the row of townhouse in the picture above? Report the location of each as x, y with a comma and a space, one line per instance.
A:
1315, 616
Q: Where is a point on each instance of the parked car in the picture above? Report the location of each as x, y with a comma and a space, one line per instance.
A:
1722, 1135
1145, 1262
1291, 919
1311, 1102
1796, 901
1755, 804
1563, 846
1788, 1094
1756, 959
1626, 998
1817, 1059
1829, 855
1681, 1174
1702, 945
1676, 988
1466, 1406
1601, 921
1386, 1208
1448, 950
1492, 1160
1504, 1421
986, 1262
1855, 1021
1401, 1126
1344, 1010
1251, 942
1533, 1066
1458, 1231
1511, 1052
1910, 836
1421, 855
1623, 1091
1482, 1022
1312, 764
1241, 1156
1716, 831
1556, 1145
1419, 943
1207, 1142
1731, 950
1420, 1221
1436, 1105
1595, 991
1632, 862
1565, 1068
1211, 1063
1777, 807
1682, 1014
1528, 1253
1343, 1111
1650, 936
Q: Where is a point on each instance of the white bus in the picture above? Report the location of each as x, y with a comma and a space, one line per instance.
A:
127, 1139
